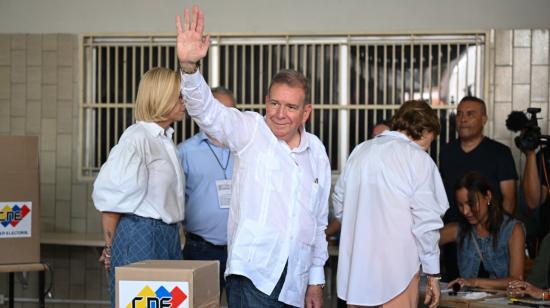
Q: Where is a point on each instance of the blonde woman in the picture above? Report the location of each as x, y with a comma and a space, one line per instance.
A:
139, 189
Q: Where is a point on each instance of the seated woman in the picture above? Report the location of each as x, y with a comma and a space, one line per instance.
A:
490, 242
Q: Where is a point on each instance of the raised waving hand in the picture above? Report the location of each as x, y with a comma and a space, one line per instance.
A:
191, 44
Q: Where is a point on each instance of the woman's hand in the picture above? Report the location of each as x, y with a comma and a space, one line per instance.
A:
519, 288
464, 282
433, 292
106, 257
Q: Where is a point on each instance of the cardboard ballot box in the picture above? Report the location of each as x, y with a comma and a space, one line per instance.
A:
168, 283
19, 200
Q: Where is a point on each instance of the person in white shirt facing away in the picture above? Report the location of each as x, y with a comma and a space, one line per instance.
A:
140, 188
281, 181
390, 199
380, 127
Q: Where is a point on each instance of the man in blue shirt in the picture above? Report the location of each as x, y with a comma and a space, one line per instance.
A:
208, 167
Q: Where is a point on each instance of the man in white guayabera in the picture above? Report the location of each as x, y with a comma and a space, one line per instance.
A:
281, 182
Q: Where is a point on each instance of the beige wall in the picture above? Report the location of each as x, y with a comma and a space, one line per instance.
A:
39, 82
266, 16
519, 79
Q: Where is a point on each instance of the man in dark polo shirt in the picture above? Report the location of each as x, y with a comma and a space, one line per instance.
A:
472, 151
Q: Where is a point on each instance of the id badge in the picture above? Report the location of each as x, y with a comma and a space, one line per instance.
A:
224, 193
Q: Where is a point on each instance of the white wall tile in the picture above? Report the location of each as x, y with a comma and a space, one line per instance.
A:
503, 48
522, 38
540, 47
5, 82
503, 84
522, 65
539, 83
63, 184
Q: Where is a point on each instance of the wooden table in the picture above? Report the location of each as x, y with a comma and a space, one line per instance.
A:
27, 267
494, 303
491, 302
457, 301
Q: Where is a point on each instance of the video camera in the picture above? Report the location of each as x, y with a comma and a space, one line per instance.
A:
530, 136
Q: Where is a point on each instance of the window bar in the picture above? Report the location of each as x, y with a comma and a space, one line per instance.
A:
269, 65
252, 76
411, 72
457, 73
439, 72
278, 57
261, 75
235, 71
313, 83
421, 72
243, 74
322, 91
108, 103
367, 77
117, 72
89, 135
343, 100
357, 91
287, 55
99, 110
466, 84
393, 76
150, 48
402, 81
331, 99
375, 76
430, 74
366, 100
226, 70
294, 63
449, 74
478, 75
385, 73
125, 84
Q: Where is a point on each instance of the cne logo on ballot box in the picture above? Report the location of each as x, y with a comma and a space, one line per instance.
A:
153, 294
15, 219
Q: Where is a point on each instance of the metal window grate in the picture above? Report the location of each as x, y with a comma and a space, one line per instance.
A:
356, 81
386, 71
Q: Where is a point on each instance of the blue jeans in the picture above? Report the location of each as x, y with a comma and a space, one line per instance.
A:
201, 250
137, 239
241, 293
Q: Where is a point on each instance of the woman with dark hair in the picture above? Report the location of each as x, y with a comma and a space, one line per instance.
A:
490, 242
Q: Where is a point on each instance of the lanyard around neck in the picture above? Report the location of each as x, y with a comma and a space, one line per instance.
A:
218, 160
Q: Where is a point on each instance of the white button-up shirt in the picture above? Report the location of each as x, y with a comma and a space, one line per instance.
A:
142, 175
392, 198
279, 203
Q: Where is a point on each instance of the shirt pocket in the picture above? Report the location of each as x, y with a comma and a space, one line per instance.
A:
268, 169
256, 243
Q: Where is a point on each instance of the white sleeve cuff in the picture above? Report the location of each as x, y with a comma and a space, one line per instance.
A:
316, 275
192, 79
430, 264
